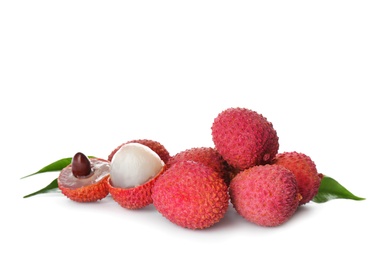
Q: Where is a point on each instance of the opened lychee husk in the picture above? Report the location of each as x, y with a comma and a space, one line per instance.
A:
84, 180
134, 169
156, 146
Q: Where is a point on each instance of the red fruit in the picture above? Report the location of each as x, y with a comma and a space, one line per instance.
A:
134, 170
244, 138
154, 145
136, 197
266, 195
206, 155
84, 180
305, 172
191, 195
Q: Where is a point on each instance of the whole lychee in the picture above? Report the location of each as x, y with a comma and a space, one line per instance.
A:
244, 138
191, 195
266, 195
134, 170
84, 180
208, 156
157, 147
305, 172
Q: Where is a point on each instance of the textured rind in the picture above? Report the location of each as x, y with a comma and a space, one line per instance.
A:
134, 198
266, 195
305, 172
208, 156
89, 193
154, 145
191, 195
244, 138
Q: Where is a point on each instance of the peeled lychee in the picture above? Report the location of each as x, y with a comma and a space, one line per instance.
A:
244, 138
305, 172
206, 155
157, 147
134, 169
191, 195
266, 195
84, 180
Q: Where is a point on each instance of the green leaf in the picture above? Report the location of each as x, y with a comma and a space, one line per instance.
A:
53, 185
331, 189
55, 166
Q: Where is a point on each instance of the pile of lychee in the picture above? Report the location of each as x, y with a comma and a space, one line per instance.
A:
194, 187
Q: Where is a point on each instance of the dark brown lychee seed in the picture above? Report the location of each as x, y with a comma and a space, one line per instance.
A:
81, 165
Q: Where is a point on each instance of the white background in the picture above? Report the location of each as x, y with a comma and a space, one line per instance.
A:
89, 75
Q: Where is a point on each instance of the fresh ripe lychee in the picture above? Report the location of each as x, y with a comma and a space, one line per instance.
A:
191, 195
244, 138
134, 169
157, 147
305, 172
84, 180
266, 195
206, 155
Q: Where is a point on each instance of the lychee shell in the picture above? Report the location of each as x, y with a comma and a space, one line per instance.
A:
191, 195
244, 138
157, 147
90, 193
305, 172
135, 197
208, 156
266, 195
91, 189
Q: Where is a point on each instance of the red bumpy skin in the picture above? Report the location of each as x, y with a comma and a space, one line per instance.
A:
266, 195
136, 197
205, 155
86, 189
244, 138
154, 145
191, 195
305, 172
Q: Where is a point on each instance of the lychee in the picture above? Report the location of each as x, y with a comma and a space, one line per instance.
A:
244, 138
134, 169
305, 172
84, 180
266, 195
208, 156
191, 195
157, 147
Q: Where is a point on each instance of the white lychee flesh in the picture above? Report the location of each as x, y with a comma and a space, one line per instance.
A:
133, 165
